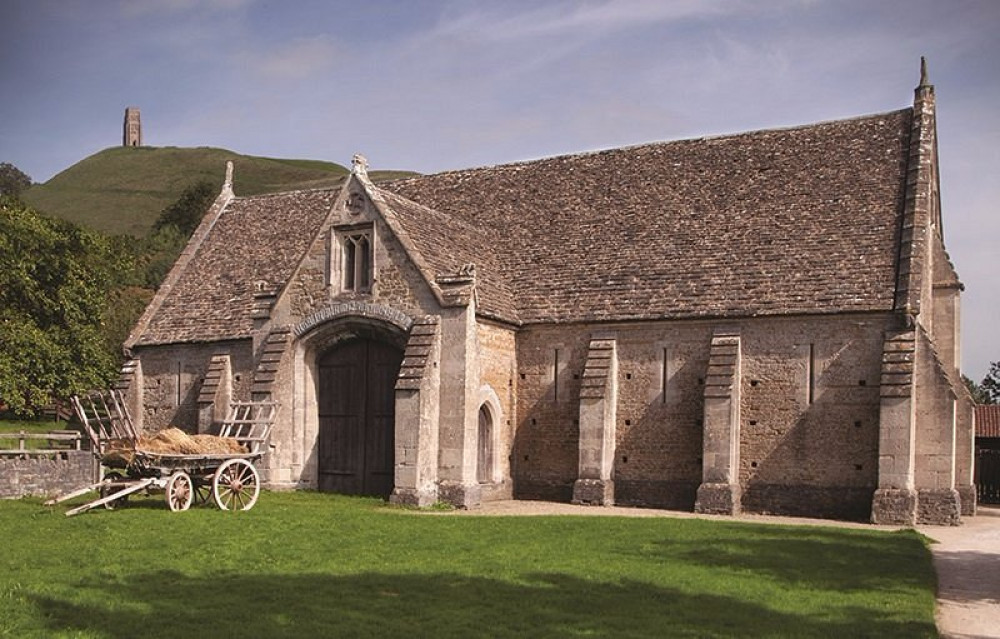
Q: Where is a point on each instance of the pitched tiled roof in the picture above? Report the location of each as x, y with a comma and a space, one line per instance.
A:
256, 239
447, 243
799, 220
987, 420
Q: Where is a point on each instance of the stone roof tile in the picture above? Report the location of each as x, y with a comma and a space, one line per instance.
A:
798, 220
250, 244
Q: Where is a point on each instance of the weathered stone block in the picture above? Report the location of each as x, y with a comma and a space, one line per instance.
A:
938, 507
894, 507
594, 492
420, 498
968, 500
460, 495
718, 499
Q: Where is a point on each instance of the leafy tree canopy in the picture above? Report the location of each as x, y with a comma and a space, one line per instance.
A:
13, 181
185, 214
979, 395
55, 280
990, 386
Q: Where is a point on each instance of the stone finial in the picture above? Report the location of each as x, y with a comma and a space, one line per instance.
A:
359, 165
228, 184
923, 72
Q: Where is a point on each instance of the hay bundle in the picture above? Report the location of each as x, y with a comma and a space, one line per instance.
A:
174, 441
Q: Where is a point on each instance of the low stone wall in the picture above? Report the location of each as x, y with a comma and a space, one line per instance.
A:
44, 473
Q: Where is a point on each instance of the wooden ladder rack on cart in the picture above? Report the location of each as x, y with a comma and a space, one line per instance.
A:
230, 479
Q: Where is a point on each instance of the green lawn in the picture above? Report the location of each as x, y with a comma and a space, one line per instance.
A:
313, 565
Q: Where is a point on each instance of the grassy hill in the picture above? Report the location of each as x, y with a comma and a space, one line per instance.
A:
123, 189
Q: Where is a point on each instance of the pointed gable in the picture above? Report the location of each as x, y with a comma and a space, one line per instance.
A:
445, 244
256, 241
799, 220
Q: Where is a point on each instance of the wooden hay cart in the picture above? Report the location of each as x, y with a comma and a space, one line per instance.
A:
230, 479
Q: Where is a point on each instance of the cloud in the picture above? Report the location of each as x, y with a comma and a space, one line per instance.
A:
496, 22
295, 60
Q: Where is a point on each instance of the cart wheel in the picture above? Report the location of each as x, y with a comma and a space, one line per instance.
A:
104, 491
236, 485
179, 491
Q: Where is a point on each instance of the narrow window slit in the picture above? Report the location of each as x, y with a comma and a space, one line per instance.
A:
555, 376
811, 375
663, 381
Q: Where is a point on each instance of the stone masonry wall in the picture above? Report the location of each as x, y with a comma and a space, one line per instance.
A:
809, 431
45, 474
498, 370
810, 417
550, 361
396, 280
172, 378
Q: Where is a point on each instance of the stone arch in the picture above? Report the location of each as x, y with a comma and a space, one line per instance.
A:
377, 314
490, 416
324, 331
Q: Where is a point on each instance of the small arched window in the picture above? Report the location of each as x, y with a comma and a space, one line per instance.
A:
484, 455
357, 261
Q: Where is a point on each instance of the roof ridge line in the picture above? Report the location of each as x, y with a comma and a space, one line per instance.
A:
261, 196
641, 145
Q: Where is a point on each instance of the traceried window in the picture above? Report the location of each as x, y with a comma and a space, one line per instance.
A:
350, 260
357, 261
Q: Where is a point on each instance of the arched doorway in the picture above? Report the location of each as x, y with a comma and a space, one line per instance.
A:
484, 447
356, 409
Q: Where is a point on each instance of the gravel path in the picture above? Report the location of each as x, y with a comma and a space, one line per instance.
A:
966, 557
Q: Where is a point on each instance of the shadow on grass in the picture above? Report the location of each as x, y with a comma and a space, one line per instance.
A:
169, 604
816, 559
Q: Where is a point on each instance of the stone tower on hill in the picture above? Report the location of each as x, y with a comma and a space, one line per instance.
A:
132, 129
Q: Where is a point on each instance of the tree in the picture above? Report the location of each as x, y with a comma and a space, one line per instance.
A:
13, 181
185, 214
55, 280
979, 394
991, 384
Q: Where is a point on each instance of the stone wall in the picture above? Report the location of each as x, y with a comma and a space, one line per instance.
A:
173, 375
316, 283
45, 474
809, 412
810, 416
550, 360
498, 370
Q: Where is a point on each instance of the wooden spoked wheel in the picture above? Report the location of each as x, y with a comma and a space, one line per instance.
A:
179, 491
104, 491
236, 485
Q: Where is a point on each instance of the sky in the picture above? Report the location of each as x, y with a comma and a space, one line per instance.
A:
431, 85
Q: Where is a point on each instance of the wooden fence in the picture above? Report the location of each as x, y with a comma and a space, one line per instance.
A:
55, 440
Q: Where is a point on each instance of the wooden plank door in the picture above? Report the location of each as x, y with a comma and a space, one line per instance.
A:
356, 396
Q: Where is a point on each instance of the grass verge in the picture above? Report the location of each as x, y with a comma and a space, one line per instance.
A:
306, 564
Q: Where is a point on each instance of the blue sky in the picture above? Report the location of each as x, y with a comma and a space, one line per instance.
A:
433, 85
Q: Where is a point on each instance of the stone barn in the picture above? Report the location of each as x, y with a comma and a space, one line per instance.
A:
763, 322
